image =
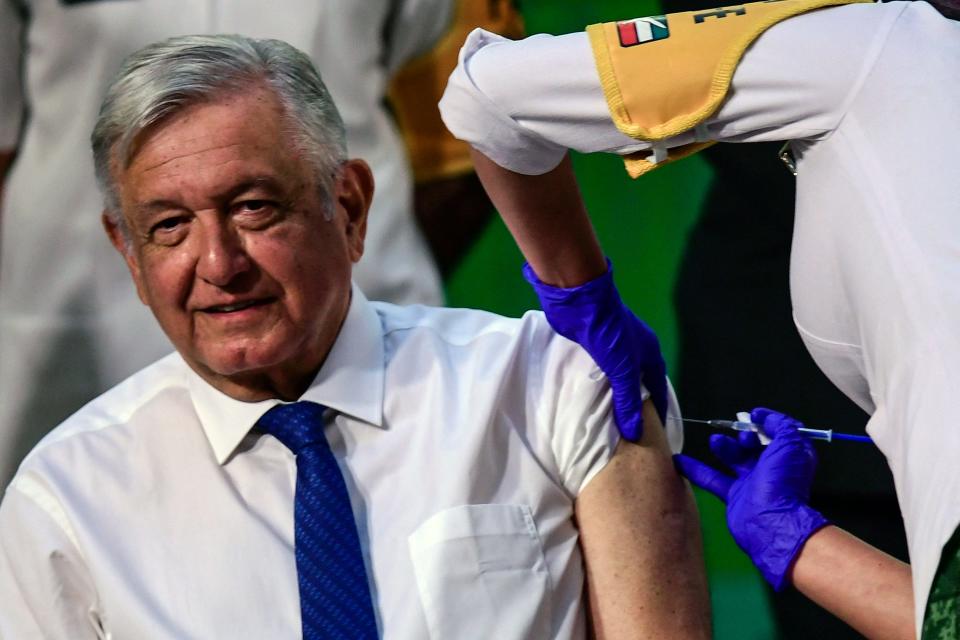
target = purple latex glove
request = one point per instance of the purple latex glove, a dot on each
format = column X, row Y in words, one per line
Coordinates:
column 622, row 345
column 767, row 510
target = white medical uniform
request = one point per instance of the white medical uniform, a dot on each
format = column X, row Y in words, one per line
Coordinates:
column 869, row 95
column 70, row 323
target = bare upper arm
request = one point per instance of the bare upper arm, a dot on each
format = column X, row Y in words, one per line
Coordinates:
column 640, row 536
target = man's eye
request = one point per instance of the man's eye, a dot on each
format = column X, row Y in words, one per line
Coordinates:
column 168, row 231
column 167, row 224
column 254, row 206
column 256, row 214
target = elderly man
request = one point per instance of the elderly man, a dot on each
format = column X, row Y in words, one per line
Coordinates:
column 310, row 462
column 72, row 328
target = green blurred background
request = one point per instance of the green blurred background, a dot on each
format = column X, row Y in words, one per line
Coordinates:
column 643, row 226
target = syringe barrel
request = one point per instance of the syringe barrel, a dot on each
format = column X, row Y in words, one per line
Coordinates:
column 737, row 425
column 814, row 434
column 817, row 434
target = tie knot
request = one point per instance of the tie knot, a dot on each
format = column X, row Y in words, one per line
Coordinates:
column 296, row 425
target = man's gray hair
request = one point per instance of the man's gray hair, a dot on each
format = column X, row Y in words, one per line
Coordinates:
column 164, row 78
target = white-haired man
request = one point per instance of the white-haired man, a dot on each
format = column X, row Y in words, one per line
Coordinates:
column 310, row 462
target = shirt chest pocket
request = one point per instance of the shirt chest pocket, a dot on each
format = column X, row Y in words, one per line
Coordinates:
column 481, row 573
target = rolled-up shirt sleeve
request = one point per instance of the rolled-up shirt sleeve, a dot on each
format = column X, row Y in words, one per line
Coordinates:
column 45, row 588
column 572, row 409
column 499, row 101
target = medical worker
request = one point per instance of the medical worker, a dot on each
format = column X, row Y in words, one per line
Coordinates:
column 868, row 98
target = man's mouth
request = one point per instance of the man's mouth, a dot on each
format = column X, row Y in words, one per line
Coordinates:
column 236, row 306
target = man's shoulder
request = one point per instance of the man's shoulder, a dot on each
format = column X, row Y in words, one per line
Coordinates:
column 472, row 337
column 113, row 410
column 455, row 325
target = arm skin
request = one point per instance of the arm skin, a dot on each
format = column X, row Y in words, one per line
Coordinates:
column 6, row 159
column 452, row 213
column 640, row 537
column 863, row 586
column 546, row 217
column 549, row 222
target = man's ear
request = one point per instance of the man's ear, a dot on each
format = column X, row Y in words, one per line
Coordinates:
column 354, row 194
column 121, row 243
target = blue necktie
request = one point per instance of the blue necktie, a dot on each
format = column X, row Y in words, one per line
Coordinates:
column 334, row 594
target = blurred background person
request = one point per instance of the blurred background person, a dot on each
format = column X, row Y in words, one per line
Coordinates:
column 59, row 346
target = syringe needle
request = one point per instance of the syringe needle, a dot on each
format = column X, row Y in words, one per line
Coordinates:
column 826, row 435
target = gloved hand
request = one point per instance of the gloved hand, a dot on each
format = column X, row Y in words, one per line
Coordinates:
column 622, row 345
column 767, row 510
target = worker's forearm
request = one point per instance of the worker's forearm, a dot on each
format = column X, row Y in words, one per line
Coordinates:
column 863, row 586
column 548, row 220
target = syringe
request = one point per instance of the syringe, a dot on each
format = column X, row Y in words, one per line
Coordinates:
column 826, row 435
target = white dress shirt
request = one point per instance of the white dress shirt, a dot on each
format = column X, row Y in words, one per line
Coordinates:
column 71, row 325
column 157, row 511
column 868, row 94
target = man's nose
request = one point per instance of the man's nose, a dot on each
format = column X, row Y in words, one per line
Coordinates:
column 223, row 256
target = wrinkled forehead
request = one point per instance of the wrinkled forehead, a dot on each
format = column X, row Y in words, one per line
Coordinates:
column 210, row 147
column 188, row 107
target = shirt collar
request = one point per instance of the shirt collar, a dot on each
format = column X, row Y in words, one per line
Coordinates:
column 350, row 382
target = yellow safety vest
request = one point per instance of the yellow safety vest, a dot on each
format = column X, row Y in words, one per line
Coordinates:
column 664, row 75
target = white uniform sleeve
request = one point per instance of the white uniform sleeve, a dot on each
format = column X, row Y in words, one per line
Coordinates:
column 45, row 588
column 500, row 101
column 521, row 103
column 11, row 92
column 414, row 28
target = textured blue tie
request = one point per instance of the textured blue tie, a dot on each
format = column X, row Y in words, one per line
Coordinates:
column 334, row 594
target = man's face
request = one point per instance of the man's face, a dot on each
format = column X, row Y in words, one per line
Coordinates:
column 229, row 245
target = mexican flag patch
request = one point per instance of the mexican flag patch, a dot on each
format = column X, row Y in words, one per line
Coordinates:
column 634, row 32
